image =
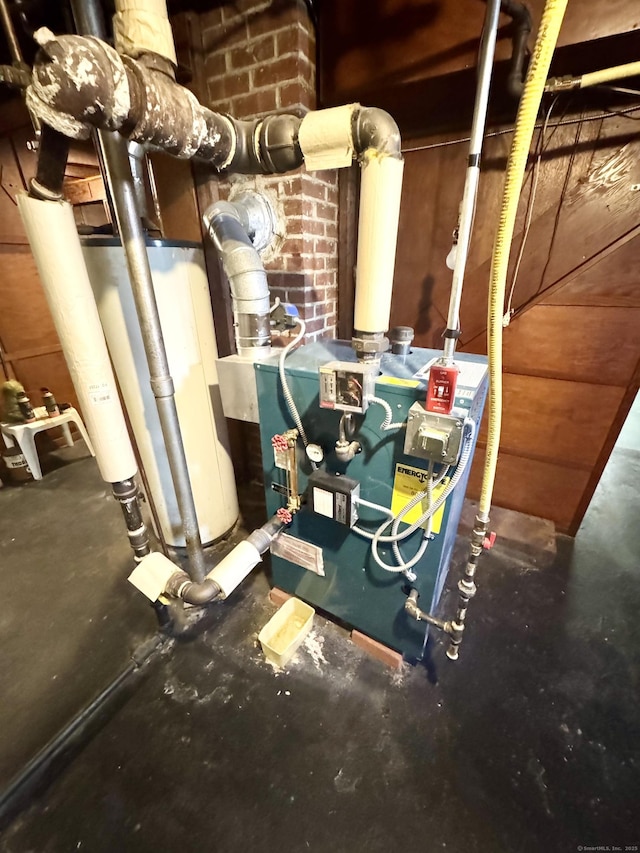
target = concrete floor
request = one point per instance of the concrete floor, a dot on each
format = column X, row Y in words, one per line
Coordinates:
column 530, row 742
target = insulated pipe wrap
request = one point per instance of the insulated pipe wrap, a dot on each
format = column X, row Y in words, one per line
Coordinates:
column 380, row 193
column 142, row 26
column 54, row 241
column 78, row 82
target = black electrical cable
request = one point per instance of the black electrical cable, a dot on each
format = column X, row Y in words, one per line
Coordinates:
column 610, row 113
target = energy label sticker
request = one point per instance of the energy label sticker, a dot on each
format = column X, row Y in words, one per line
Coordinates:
column 407, row 483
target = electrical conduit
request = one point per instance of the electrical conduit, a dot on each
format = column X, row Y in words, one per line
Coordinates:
column 523, row 133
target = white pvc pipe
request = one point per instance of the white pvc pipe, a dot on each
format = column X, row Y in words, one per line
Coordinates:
column 51, row 231
column 380, row 192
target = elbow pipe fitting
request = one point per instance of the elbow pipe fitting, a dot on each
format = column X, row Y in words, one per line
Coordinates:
column 374, row 128
column 262, row 537
column 266, row 146
column 411, row 607
column 181, row 586
column 521, row 17
column 247, row 279
column 80, row 82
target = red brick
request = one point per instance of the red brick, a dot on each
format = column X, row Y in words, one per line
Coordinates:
column 314, row 228
column 254, row 104
column 295, row 39
column 325, row 247
column 224, row 36
column 253, row 53
column 326, row 211
column 314, row 189
column 210, row 19
column 331, row 229
column 278, row 596
column 278, row 71
column 276, row 17
column 298, row 207
column 215, row 65
column 315, row 325
column 312, row 262
column 325, row 279
column 292, row 246
column 298, row 94
column 235, row 83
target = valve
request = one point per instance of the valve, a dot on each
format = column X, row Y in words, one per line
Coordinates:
column 489, row 541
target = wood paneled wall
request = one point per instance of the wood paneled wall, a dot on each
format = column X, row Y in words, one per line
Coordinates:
column 572, row 349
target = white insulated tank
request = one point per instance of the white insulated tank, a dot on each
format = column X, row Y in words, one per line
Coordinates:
column 182, row 293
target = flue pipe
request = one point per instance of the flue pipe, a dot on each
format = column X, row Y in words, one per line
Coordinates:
column 229, row 225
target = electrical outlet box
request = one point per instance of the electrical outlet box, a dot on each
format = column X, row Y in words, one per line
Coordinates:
column 432, row 436
column 334, row 496
column 346, row 386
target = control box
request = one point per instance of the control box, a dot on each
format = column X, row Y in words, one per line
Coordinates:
column 346, row 386
column 441, row 389
column 334, row 496
column 432, row 436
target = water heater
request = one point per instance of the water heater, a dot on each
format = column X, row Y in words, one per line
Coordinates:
column 182, row 294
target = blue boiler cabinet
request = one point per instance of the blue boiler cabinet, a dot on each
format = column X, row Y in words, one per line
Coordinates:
column 324, row 562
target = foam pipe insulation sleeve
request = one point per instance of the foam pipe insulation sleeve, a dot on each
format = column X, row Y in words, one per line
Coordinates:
column 51, row 231
column 380, row 192
column 234, row 568
column 142, row 26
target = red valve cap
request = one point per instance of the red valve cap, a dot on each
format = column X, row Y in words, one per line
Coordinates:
column 489, row 541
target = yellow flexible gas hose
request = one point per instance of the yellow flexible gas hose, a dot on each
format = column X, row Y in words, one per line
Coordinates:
column 523, row 133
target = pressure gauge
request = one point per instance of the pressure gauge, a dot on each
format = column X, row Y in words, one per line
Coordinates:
column 315, row 453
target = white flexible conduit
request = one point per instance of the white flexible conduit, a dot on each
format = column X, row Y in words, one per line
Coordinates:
column 286, row 391
column 386, row 423
column 432, row 507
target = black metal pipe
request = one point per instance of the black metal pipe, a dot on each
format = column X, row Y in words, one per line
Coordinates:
column 127, row 494
column 10, row 33
column 521, row 17
column 52, row 163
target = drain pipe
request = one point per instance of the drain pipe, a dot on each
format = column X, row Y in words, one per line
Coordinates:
column 156, row 576
column 470, row 193
column 133, row 240
column 521, row 17
column 52, row 234
column 231, row 226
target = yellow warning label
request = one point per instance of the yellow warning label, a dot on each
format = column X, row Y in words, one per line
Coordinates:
column 394, row 380
column 407, row 483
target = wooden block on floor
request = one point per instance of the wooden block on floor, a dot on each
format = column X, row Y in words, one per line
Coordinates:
column 377, row 650
column 278, row 596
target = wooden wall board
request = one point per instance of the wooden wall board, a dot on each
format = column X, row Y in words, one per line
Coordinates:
column 407, row 39
column 547, row 489
column 25, row 319
column 556, row 420
column 601, row 286
column 575, row 343
column 48, row 370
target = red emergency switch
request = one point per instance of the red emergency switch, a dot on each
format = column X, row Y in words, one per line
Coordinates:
column 441, row 392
